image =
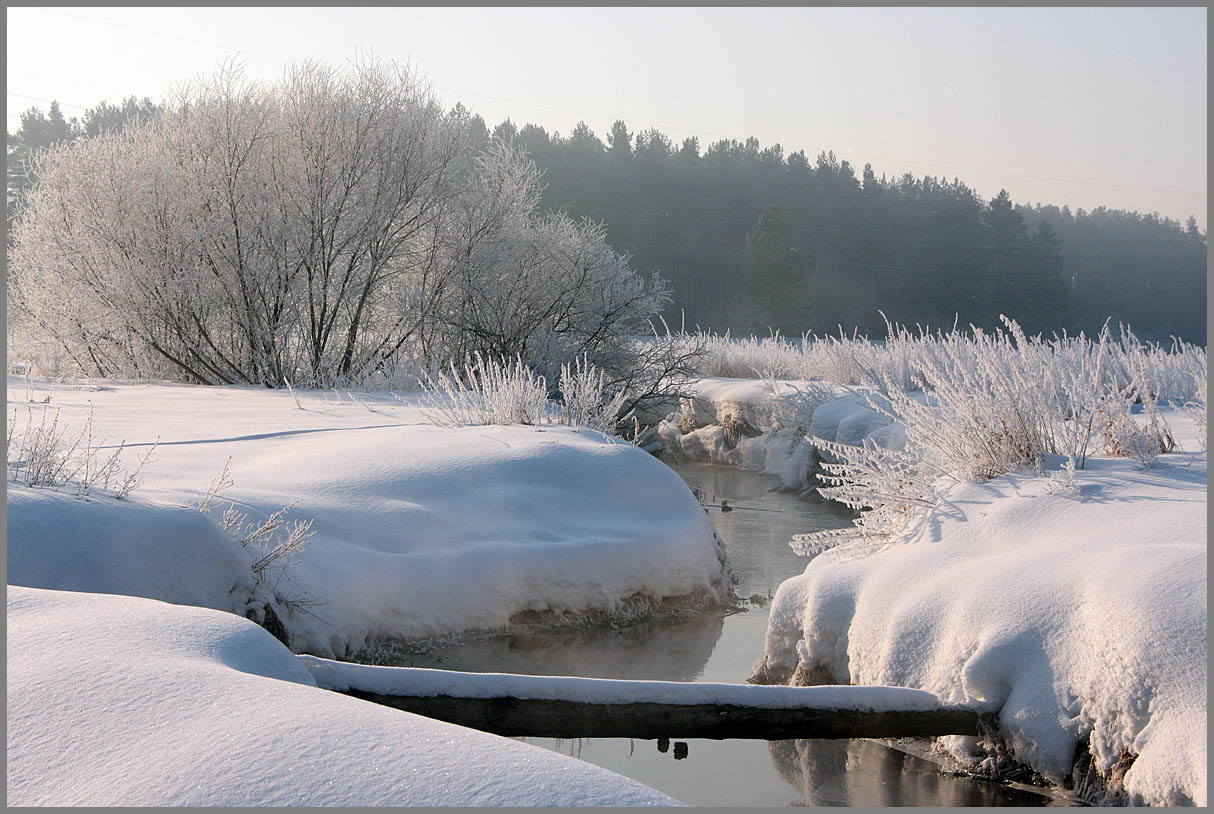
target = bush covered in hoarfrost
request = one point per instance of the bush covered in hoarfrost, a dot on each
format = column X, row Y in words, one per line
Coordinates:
column 49, row 455
column 1001, row 402
column 899, row 360
column 492, row 391
column 842, row 360
column 337, row 227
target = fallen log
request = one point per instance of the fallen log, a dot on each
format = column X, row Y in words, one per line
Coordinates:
column 543, row 718
column 570, row 707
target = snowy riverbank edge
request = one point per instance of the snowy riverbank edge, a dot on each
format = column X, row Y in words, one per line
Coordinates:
column 1080, row 616
column 419, row 530
column 116, row 700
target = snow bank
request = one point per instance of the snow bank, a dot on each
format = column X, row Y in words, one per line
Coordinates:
column 438, row 530
column 1077, row 616
column 124, row 701
column 420, row 530
column 416, row 681
column 132, row 547
column 776, row 444
column 747, row 400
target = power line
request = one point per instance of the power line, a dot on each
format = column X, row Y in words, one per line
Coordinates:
column 48, row 101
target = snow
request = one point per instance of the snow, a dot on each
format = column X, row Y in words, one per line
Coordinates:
column 859, row 422
column 127, row 701
column 748, row 400
column 780, row 449
column 420, row 530
column 420, row 682
column 1073, row 615
column 132, row 547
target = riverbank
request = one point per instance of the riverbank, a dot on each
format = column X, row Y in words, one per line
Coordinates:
column 763, row 425
column 407, row 530
column 116, row 700
column 412, row 530
column 1075, row 607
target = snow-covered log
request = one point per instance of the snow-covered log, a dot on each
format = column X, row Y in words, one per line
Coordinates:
column 568, row 707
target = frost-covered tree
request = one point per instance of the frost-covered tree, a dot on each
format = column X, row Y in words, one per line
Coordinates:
column 543, row 288
column 324, row 229
column 38, row 131
column 248, row 233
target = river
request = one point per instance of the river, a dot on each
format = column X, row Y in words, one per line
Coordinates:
column 721, row 646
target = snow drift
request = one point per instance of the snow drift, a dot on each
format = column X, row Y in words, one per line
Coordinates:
column 742, row 422
column 420, row 530
column 1080, row 616
column 125, row 701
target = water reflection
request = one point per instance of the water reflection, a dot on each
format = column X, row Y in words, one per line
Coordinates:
column 674, row 648
column 788, row 773
column 871, row 774
column 717, row 646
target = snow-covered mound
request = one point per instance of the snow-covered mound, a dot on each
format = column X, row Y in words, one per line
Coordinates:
column 1077, row 615
column 769, row 431
column 420, row 530
column 131, row 702
column 749, row 400
column 102, row 545
column 430, row 530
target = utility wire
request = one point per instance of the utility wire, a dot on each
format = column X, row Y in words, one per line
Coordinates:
column 48, row 101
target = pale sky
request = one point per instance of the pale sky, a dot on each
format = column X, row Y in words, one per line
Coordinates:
column 1079, row 106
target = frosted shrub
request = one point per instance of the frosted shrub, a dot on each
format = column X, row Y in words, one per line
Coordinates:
column 983, row 413
column 898, row 361
column 586, row 402
column 488, row 391
column 1000, row 402
column 835, row 359
column 795, row 404
column 843, row 360
column 1126, row 438
column 740, row 358
column 43, row 453
column 653, row 372
column 48, row 455
column 188, row 246
column 272, row 546
column 887, row 486
column 1170, row 375
column 1063, row 482
column 1197, row 408
column 512, row 282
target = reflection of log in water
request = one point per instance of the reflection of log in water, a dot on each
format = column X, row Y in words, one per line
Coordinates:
column 549, row 718
column 674, row 648
column 868, row 773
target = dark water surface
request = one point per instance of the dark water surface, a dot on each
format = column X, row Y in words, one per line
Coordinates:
column 722, row 646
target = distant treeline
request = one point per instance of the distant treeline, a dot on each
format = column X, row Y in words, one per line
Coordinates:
column 753, row 239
